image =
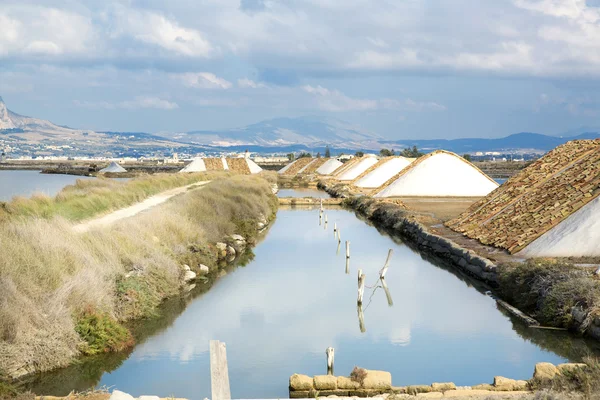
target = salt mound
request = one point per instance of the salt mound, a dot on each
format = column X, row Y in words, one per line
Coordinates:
column 253, row 167
column 440, row 174
column 113, row 167
column 357, row 169
column 385, row 172
column 197, row 165
column 329, row 167
column 578, row 234
column 282, row 170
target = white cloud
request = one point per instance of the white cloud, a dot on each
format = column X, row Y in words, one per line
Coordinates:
column 248, row 83
column 203, row 80
column 138, row 103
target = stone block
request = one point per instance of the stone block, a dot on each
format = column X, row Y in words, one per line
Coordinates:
column 346, row 383
column 325, row 382
column 300, row 394
column 365, row 392
column 442, row 387
column 544, row 371
column 415, row 389
column 399, row 389
column 483, row 386
column 301, row 382
column 378, row 380
column 569, row 367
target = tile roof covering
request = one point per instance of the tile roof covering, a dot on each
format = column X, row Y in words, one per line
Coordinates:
column 537, row 199
column 313, row 166
column 296, row 166
column 214, row 164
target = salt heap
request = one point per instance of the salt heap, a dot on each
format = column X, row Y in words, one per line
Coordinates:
column 243, row 165
column 285, row 168
column 383, row 173
column 365, row 162
column 549, row 209
column 113, row 168
column 329, row 167
column 440, row 174
column 197, row 165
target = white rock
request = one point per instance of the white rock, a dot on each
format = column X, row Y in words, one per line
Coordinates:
column 221, row 246
column 186, row 267
column 204, row 269
column 189, row 276
column 148, row 398
column 238, row 238
column 230, row 251
column 118, row 395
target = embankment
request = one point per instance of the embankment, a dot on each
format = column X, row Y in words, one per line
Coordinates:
column 64, row 294
column 555, row 293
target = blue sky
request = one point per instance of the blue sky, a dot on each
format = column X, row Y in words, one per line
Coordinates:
column 401, row 69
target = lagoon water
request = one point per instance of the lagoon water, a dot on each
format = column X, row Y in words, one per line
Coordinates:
column 302, row 192
column 280, row 312
column 26, row 183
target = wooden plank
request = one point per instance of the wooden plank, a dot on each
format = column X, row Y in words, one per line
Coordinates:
column 219, row 374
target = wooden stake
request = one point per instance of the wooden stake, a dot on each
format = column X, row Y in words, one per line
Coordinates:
column 334, row 228
column 337, row 252
column 388, row 295
column 347, row 264
column 339, row 236
column 219, row 375
column 347, row 249
column 361, row 288
column 386, row 265
column 330, row 351
column 325, row 218
column 321, row 205
column 361, row 318
column 359, row 274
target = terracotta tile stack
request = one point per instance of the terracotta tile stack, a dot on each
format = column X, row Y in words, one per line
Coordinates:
column 537, row 199
column 239, row 165
column 213, row 164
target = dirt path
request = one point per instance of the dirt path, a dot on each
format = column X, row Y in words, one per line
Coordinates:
column 134, row 209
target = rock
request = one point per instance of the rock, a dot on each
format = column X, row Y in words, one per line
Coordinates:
column 186, row 267
column 483, row 386
column 346, row 383
column 238, row 238
column 260, row 226
column 416, row 389
column 189, row 276
column 442, row 387
column 221, row 250
column 301, row 382
column 544, row 371
column 204, row 269
column 504, row 384
column 399, row 389
column 300, row 394
column 521, row 385
column 325, row 382
column 378, row 380
column 230, row 251
column 148, row 398
column 221, row 273
column 569, row 367
column 118, row 395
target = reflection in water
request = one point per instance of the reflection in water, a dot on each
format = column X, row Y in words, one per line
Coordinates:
column 302, row 192
column 279, row 313
column 26, row 183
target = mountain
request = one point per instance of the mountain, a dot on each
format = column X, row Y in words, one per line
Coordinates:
column 523, row 142
column 280, row 132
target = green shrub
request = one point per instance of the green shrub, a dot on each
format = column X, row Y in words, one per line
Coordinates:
column 102, row 333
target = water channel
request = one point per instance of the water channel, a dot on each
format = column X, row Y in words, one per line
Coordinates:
column 27, row 182
column 279, row 313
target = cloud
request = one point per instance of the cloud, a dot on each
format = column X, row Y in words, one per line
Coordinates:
column 248, row 83
column 580, row 106
column 336, row 101
column 203, row 80
column 252, row 5
column 139, row 102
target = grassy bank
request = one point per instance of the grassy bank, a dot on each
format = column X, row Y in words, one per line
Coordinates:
column 63, row 293
column 87, row 198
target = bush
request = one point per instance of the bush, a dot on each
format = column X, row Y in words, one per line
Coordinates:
column 585, row 381
column 102, row 333
column 358, row 375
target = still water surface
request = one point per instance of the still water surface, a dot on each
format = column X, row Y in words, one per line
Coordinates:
column 279, row 313
column 26, row 183
column 302, row 192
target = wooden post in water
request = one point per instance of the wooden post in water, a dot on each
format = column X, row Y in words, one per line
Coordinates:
column 347, row 249
column 359, row 274
column 337, row 252
column 334, row 228
column 325, row 218
column 361, row 318
column 361, row 288
column 330, row 359
column 386, row 265
column 339, row 236
column 347, row 264
column 388, row 295
column 219, row 374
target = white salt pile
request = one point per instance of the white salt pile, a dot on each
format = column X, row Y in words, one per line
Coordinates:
column 382, row 174
column 580, row 231
column 329, row 167
column 225, row 166
column 309, row 164
column 113, row 167
column 197, row 165
column 282, row 170
column 254, row 167
column 440, row 174
column 368, row 160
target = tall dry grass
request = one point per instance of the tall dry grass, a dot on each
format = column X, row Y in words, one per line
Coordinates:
column 87, row 198
column 51, row 277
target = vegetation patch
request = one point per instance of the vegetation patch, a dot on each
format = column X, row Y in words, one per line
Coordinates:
column 102, row 333
column 550, row 290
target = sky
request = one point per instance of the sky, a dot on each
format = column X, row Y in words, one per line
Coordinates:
column 402, row 69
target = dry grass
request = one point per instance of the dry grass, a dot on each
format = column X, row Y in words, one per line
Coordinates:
column 50, row 276
column 87, row 198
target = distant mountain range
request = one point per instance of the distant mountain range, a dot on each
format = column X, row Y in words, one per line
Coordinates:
column 519, row 142
column 31, row 136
